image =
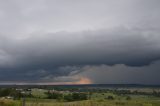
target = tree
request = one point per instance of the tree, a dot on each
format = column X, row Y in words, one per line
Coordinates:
column 68, row 97
column 128, row 98
column 110, row 98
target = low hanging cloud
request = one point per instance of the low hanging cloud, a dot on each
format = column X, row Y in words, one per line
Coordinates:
column 45, row 55
column 113, row 46
column 50, row 40
column 116, row 74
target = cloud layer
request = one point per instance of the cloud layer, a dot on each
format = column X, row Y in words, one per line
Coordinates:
column 41, row 56
column 48, row 40
column 117, row 74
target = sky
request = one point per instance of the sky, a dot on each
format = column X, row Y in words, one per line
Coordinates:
column 80, row 42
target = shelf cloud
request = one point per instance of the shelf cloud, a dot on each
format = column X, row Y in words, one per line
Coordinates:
column 45, row 41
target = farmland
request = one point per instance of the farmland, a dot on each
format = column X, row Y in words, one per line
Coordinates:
column 83, row 96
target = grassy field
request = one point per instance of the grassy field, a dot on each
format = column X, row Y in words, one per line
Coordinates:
column 6, row 102
column 84, row 103
column 97, row 99
column 39, row 93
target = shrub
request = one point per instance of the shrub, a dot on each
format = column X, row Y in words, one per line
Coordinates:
column 128, row 98
column 110, row 98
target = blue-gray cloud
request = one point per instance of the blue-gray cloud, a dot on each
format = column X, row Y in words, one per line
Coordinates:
column 26, row 58
column 116, row 74
column 39, row 38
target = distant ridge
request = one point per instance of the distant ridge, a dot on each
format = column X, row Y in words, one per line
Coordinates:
column 86, row 85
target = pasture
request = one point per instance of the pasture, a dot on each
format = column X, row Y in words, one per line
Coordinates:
column 97, row 99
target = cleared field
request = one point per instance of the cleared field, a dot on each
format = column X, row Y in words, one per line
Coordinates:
column 98, row 99
column 6, row 102
column 94, row 98
column 97, row 103
column 39, row 93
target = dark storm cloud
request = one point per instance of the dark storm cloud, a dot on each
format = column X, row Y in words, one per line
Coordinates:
column 45, row 39
column 114, row 46
column 116, row 74
column 133, row 47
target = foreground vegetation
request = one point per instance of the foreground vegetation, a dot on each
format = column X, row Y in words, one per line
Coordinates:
column 79, row 97
column 92, row 102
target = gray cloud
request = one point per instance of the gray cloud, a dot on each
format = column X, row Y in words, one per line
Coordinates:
column 42, row 40
column 116, row 74
column 132, row 47
column 115, row 46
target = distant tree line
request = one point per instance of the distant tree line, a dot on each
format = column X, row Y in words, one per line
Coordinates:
column 4, row 92
column 73, row 95
column 68, row 97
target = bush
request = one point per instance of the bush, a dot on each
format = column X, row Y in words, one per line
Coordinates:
column 79, row 96
column 128, row 98
column 75, row 97
column 55, row 96
column 110, row 98
column 68, row 97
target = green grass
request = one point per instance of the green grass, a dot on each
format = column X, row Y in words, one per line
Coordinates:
column 97, row 103
column 92, row 102
column 97, row 99
column 7, row 102
column 39, row 93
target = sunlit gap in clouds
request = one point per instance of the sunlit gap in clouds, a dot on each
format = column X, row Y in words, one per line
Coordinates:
column 81, row 81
